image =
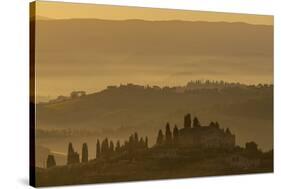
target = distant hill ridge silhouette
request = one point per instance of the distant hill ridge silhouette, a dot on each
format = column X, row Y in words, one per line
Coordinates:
column 156, row 37
column 197, row 86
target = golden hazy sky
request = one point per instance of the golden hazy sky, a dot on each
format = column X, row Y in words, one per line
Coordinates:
column 59, row 10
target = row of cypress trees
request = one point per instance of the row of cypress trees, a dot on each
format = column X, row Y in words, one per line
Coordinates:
column 107, row 148
column 103, row 149
column 73, row 157
column 169, row 137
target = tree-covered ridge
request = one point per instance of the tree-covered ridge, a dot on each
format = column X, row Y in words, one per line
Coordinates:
column 178, row 152
column 120, row 110
column 191, row 86
column 192, row 130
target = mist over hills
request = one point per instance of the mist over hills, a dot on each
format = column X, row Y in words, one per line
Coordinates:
column 91, row 54
column 155, row 37
column 117, row 111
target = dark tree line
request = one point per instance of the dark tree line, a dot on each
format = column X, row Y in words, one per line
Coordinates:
column 107, row 148
column 85, row 153
column 169, row 138
column 72, row 156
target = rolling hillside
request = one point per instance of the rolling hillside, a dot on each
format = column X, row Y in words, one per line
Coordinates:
column 128, row 108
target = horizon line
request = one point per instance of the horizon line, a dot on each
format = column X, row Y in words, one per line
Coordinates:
column 44, row 18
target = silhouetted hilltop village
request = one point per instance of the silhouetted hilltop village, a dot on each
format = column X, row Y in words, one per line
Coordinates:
column 121, row 110
column 211, row 136
column 192, row 136
column 190, row 151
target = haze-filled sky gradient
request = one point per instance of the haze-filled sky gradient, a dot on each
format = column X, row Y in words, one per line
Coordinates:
column 58, row 10
column 112, row 45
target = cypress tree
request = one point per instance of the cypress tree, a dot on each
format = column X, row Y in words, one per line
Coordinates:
column 111, row 147
column 168, row 134
column 228, row 131
column 76, row 158
column 136, row 138
column 217, row 124
column 117, row 148
column 51, row 162
column 102, row 148
column 84, row 153
column 126, row 145
column 176, row 134
column 106, row 146
column 70, row 154
column 146, row 142
column 160, row 137
column 131, row 143
column 196, row 122
column 98, row 150
column 187, row 121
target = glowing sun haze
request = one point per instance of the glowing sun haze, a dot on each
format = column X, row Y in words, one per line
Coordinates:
column 58, row 10
column 87, row 47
